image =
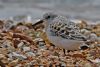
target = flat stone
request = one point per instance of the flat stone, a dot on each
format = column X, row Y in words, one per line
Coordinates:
column 20, row 56
column 30, row 54
column 26, row 49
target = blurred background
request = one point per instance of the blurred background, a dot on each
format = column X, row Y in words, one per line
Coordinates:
column 79, row 9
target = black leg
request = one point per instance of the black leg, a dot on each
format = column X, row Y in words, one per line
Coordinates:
column 64, row 51
column 52, row 45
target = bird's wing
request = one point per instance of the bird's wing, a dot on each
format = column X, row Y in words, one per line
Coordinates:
column 64, row 28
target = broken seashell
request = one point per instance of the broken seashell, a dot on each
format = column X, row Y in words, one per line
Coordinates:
column 19, row 56
column 23, row 37
column 78, row 55
column 97, row 60
column 21, row 28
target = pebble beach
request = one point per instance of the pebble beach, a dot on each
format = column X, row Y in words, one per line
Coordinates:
column 23, row 44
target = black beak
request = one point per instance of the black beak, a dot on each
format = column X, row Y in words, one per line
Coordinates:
column 39, row 22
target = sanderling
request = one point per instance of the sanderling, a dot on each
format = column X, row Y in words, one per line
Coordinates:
column 62, row 32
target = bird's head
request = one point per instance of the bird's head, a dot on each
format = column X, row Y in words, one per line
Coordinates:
column 49, row 16
column 46, row 19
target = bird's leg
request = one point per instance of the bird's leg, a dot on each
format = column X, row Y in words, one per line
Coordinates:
column 52, row 44
column 64, row 51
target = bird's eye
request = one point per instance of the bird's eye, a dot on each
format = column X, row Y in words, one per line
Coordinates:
column 47, row 17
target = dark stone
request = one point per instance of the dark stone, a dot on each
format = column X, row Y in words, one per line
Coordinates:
column 84, row 47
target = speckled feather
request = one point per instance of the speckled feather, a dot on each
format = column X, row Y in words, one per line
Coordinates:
column 62, row 32
column 64, row 28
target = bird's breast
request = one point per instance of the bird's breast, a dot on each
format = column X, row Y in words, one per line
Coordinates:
column 64, row 43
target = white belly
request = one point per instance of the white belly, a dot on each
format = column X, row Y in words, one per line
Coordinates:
column 65, row 43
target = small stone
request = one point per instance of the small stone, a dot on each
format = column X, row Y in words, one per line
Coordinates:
column 84, row 47
column 78, row 55
column 41, row 43
column 26, row 49
column 85, row 32
column 41, row 66
column 20, row 45
column 87, row 65
column 92, row 46
column 96, row 29
column 38, row 39
column 5, row 60
column 21, row 28
column 2, row 64
column 19, row 56
column 46, row 53
column 1, row 24
column 13, row 63
column 96, row 60
column 63, row 64
column 93, row 53
column 3, row 51
column 10, row 56
column 98, row 45
column 2, row 56
column 23, row 37
column 8, row 24
column 18, row 65
column 16, row 42
column 93, row 37
column 6, row 44
column 30, row 54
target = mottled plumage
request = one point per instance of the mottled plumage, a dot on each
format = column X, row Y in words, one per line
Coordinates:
column 63, row 32
column 65, row 29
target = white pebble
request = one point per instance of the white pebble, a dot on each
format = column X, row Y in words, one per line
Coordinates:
column 26, row 48
column 96, row 60
column 30, row 54
column 20, row 44
column 93, row 37
column 85, row 32
column 20, row 56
